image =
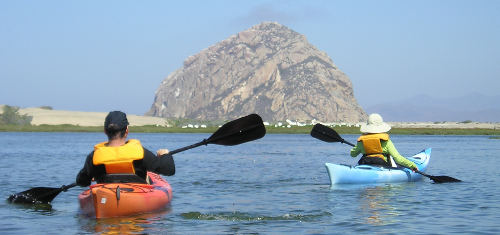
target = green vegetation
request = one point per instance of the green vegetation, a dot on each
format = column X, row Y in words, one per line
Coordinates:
column 444, row 131
column 184, row 122
column 270, row 129
column 11, row 116
column 394, row 131
column 12, row 121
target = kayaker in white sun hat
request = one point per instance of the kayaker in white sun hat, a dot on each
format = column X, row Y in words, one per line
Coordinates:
column 376, row 146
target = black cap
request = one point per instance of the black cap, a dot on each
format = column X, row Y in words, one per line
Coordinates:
column 116, row 120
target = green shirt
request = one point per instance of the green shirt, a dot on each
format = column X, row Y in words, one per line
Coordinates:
column 387, row 148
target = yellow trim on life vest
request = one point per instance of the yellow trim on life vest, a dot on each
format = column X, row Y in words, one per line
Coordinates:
column 372, row 145
column 118, row 160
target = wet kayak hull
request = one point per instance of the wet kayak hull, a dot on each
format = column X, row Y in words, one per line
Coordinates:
column 366, row 174
column 124, row 199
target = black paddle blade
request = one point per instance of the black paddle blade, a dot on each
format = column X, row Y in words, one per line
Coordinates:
column 239, row 131
column 440, row 179
column 38, row 195
column 443, row 179
column 35, row 195
column 325, row 133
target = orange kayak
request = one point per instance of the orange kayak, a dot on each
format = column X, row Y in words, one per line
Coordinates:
column 123, row 199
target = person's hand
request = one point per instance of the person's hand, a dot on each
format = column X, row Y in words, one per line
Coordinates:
column 414, row 169
column 162, row 152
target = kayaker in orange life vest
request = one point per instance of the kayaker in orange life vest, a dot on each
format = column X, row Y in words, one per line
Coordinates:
column 122, row 157
column 376, row 146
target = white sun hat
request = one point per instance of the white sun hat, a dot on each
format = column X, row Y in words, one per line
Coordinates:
column 375, row 124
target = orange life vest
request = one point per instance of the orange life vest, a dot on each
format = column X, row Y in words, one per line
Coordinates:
column 118, row 160
column 372, row 145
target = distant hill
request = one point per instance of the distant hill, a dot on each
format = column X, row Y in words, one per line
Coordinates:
column 268, row 69
column 423, row 108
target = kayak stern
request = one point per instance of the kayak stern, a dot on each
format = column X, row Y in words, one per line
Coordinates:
column 365, row 174
column 123, row 199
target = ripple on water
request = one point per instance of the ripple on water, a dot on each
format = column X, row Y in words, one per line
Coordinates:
column 242, row 216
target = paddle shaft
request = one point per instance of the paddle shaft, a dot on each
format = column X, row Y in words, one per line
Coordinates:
column 58, row 190
column 66, row 187
column 204, row 142
column 422, row 173
column 349, row 143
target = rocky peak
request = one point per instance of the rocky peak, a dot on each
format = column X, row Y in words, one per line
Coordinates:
column 268, row 69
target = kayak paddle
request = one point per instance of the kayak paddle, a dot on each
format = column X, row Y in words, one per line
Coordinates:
column 235, row 132
column 440, row 178
column 327, row 134
column 38, row 194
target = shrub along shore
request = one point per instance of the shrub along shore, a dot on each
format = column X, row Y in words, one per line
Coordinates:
column 270, row 130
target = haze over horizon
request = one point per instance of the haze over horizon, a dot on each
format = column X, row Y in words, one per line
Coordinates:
column 112, row 55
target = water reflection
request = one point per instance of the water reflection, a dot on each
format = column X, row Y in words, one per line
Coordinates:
column 376, row 204
column 37, row 208
column 138, row 224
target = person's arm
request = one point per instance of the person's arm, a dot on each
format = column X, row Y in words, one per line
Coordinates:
column 84, row 177
column 163, row 164
column 391, row 149
column 356, row 150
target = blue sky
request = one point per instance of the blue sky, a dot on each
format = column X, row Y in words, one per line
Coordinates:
column 112, row 55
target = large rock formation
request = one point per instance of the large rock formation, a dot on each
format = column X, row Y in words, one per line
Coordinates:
column 269, row 70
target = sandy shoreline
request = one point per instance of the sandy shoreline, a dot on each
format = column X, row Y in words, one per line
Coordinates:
column 59, row 117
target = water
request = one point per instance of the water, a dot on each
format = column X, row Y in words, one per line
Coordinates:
column 274, row 185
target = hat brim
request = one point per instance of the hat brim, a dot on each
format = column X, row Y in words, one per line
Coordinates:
column 373, row 129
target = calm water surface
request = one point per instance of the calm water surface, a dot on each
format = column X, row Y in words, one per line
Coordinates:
column 274, row 185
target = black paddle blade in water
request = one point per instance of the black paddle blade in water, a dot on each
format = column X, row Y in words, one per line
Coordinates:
column 444, row 179
column 440, row 179
column 239, row 131
column 35, row 195
column 38, row 195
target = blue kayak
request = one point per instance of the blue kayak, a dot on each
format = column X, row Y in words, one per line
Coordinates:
column 366, row 174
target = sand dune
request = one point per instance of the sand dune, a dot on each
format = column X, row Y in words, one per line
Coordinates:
column 59, row 117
